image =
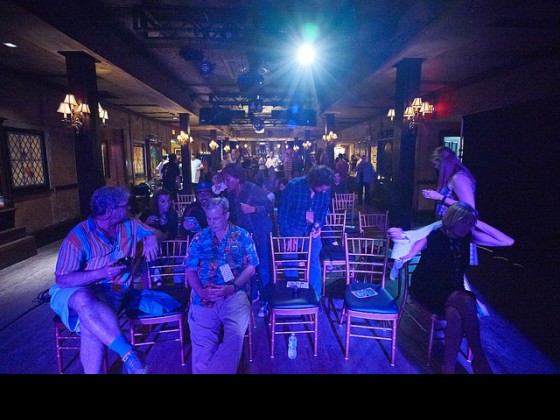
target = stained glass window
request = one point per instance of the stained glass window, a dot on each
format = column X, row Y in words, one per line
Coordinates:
column 26, row 151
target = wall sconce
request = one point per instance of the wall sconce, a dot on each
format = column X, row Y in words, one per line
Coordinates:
column 213, row 145
column 307, row 144
column 330, row 138
column 103, row 114
column 184, row 138
column 296, row 148
column 415, row 113
column 227, row 148
column 73, row 112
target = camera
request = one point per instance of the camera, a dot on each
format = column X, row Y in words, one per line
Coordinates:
column 124, row 261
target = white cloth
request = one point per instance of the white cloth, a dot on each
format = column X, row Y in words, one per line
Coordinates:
column 196, row 167
column 401, row 247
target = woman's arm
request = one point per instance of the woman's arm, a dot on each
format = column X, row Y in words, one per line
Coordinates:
column 484, row 234
column 463, row 188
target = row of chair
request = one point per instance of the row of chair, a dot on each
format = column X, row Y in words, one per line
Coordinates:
column 144, row 329
column 292, row 301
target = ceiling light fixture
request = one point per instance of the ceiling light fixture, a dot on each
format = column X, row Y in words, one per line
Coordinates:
column 331, row 137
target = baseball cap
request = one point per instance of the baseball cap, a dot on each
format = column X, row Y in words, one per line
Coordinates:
column 203, row 186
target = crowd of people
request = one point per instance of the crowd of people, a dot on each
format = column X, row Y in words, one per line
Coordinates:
column 228, row 263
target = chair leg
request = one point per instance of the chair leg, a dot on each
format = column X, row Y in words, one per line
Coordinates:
column 272, row 333
column 316, row 335
column 431, row 340
column 393, row 342
column 347, row 347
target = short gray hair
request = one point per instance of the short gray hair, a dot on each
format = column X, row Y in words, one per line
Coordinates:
column 108, row 197
column 220, row 202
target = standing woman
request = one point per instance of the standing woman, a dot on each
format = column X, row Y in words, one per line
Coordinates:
column 250, row 209
column 455, row 181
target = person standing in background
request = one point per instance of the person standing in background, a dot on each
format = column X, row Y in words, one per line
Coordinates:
column 306, row 201
column 455, row 181
column 171, row 176
column 365, row 178
column 251, row 209
column 196, row 168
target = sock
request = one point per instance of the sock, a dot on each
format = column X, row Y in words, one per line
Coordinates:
column 120, row 345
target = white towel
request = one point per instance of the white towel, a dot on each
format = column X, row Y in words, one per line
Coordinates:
column 402, row 247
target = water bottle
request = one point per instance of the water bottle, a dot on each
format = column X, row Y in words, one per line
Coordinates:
column 292, row 346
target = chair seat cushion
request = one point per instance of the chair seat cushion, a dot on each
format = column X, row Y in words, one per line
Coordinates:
column 282, row 297
column 382, row 303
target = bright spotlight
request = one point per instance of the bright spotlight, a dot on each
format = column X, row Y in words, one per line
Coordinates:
column 306, row 54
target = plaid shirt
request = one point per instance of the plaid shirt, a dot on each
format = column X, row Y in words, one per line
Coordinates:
column 296, row 202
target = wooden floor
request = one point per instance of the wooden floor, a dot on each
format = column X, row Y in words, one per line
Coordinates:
column 27, row 338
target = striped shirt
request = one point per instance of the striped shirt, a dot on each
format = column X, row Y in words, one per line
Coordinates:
column 86, row 248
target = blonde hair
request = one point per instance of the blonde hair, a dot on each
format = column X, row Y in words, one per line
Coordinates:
column 449, row 166
column 459, row 212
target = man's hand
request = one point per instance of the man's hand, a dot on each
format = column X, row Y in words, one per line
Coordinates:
column 247, row 209
column 151, row 247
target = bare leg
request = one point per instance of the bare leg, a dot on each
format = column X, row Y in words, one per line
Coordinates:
column 99, row 327
column 453, row 338
column 464, row 304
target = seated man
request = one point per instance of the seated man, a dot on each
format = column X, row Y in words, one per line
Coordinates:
column 194, row 217
column 91, row 281
column 220, row 264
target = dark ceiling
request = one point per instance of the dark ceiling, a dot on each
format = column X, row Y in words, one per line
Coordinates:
column 163, row 58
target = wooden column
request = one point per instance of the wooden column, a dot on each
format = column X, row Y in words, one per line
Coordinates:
column 184, row 125
column 404, row 145
column 82, row 83
column 330, row 126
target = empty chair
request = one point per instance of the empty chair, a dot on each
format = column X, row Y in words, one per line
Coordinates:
column 367, row 304
column 146, row 329
column 344, row 201
column 182, row 201
column 373, row 225
column 292, row 300
column 332, row 255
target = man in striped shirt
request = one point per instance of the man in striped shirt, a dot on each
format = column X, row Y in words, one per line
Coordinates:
column 93, row 275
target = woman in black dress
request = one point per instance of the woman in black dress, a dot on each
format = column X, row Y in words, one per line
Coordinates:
column 438, row 280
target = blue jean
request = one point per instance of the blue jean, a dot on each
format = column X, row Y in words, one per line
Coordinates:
column 315, row 267
column 262, row 244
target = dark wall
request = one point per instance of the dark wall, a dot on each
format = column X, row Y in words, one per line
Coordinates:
column 514, row 154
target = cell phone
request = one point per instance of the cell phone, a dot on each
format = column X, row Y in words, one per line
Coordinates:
column 193, row 220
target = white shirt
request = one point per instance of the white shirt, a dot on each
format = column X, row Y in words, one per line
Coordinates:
column 196, row 167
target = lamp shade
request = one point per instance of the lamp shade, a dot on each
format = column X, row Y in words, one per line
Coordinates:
column 70, row 100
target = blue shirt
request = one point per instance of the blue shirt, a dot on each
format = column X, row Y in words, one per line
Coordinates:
column 296, row 202
column 207, row 255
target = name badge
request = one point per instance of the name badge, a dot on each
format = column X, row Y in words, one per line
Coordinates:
column 309, row 217
column 226, row 273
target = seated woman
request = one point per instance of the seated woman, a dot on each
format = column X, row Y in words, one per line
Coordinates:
column 162, row 216
column 438, row 280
